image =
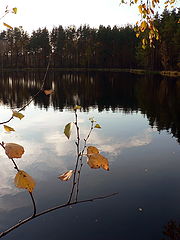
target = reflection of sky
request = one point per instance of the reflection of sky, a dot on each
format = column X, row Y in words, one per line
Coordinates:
column 138, row 155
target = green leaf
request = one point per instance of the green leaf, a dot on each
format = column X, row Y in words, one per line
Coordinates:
column 97, row 126
column 68, row 129
column 18, row 115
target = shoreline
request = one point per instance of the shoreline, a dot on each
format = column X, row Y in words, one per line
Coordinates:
column 167, row 73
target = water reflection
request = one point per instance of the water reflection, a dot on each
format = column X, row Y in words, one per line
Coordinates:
column 156, row 97
column 144, row 165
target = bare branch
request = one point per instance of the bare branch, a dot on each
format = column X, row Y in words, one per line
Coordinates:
column 4, row 233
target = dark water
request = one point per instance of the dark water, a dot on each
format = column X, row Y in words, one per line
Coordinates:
column 140, row 135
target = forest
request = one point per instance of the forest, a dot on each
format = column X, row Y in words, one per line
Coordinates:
column 86, row 47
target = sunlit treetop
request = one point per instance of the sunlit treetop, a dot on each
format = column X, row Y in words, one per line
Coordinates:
column 147, row 10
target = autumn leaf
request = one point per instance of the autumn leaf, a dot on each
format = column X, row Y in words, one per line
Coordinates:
column 8, row 129
column 95, row 159
column 68, row 129
column 8, row 26
column 92, row 119
column 18, row 115
column 143, row 26
column 14, row 150
column 66, row 176
column 48, row 92
column 24, row 180
column 97, row 126
column 14, row 10
column 77, row 107
column 91, row 150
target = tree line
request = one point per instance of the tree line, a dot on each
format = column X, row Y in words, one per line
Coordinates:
column 86, row 47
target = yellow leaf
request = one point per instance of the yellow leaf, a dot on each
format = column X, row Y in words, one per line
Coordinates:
column 92, row 119
column 91, row 150
column 48, row 92
column 68, row 129
column 66, row 176
column 137, row 35
column 143, row 26
column 14, row 150
column 96, row 160
column 24, row 180
column 144, row 41
column 14, row 10
column 8, row 129
column 8, row 26
column 140, row 9
column 77, row 107
column 97, row 126
column 135, row 1
column 18, row 115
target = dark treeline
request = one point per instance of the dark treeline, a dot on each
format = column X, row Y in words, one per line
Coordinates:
column 86, row 47
column 154, row 96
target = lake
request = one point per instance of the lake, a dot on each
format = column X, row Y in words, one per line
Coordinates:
column 140, row 135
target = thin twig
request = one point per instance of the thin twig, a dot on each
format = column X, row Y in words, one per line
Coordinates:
column 34, row 204
column 33, row 97
column 81, row 158
column 78, row 156
column 2, row 234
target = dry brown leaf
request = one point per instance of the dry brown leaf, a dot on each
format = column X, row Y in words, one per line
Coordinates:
column 95, row 159
column 48, row 92
column 92, row 150
column 24, row 180
column 66, row 176
column 14, row 150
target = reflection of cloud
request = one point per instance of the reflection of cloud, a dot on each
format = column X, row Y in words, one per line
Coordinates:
column 59, row 144
column 47, row 150
column 111, row 146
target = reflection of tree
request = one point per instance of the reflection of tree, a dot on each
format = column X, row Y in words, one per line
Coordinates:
column 171, row 231
column 159, row 99
column 156, row 97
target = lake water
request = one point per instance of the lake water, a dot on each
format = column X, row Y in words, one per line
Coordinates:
column 140, row 135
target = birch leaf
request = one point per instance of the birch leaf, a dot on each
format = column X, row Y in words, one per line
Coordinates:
column 18, row 115
column 91, row 150
column 95, row 159
column 14, row 10
column 97, row 126
column 8, row 26
column 66, row 176
column 77, row 107
column 24, row 180
column 48, row 92
column 68, row 129
column 8, row 129
column 14, row 150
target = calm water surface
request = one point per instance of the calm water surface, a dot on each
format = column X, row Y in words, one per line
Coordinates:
column 140, row 135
